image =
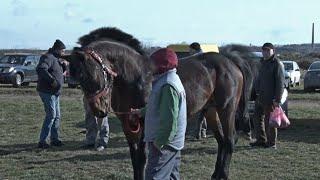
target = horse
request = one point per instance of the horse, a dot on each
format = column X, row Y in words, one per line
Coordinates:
column 114, row 73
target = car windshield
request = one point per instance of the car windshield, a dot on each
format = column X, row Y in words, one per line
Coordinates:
column 12, row 59
column 288, row 66
column 315, row 66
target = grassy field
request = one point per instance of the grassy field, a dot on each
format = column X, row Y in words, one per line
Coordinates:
column 21, row 116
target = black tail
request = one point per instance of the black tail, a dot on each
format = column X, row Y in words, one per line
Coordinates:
column 240, row 55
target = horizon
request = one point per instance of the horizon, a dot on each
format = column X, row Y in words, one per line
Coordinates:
column 241, row 22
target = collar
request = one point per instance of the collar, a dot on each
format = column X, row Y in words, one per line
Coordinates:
column 159, row 76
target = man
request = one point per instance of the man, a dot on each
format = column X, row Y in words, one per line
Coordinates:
column 93, row 126
column 201, row 128
column 165, row 118
column 50, row 80
column 195, row 48
column 269, row 88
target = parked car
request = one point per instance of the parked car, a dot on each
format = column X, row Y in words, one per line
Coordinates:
column 292, row 71
column 18, row 69
column 312, row 77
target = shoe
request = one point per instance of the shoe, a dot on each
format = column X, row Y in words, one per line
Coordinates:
column 203, row 135
column 258, row 144
column 57, row 143
column 88, row 146
column 100, row 148
column 43, row 145
column 273, row 146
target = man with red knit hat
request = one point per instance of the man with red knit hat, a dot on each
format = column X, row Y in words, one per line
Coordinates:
column 165, row 118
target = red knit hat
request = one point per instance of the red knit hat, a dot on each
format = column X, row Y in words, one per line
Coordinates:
column 164, row 60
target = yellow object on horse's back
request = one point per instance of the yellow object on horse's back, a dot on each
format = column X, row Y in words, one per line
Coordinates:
column 183, row 48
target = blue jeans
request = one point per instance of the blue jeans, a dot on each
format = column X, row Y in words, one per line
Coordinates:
column 163, row 164
column 52, row 120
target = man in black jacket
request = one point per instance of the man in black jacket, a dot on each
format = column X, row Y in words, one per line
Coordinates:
column 50, row 80
column 269, row 88
column 201, row 127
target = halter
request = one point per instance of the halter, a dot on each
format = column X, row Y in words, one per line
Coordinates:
column 106, row 70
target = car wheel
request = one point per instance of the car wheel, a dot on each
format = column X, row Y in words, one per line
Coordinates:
column 25, row 84
column 72, row 86
column 17, row 81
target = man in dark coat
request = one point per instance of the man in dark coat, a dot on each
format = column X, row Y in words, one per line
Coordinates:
column 50, row 80
column 201, row 127
column 269, row 88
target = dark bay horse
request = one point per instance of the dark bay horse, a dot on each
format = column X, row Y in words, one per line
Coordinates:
column 114, row 73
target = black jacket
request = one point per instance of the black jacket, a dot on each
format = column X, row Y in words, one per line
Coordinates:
column 50, row 69
column 270, row 82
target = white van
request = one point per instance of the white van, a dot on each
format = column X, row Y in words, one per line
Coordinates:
column 292, row 71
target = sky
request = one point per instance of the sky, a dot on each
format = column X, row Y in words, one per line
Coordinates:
column 37, row 23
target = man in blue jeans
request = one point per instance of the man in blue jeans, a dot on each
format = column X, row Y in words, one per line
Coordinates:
column 50, row 80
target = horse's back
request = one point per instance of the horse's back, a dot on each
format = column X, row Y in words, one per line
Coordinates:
column 205, row 74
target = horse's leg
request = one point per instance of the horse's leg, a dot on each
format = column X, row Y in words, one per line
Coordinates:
column 214, row 124
column 133, row 151
column 138, row 158
column 227, row 116
column 141, row 158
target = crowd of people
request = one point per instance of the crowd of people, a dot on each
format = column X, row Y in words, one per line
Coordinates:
column 166, row 112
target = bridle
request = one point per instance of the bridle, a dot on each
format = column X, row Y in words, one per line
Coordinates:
column 105, row 91
column 106, row 70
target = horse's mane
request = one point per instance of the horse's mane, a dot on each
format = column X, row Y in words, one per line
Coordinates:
column 114, row 34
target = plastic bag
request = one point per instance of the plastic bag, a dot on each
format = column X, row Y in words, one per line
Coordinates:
column 278, row 118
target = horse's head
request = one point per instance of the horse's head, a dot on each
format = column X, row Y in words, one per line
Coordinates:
column 95, row 77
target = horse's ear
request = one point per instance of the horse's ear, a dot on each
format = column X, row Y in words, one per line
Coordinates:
column 67, row 57
column 76, row 55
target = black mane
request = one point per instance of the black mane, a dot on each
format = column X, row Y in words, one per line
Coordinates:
column 111, row 33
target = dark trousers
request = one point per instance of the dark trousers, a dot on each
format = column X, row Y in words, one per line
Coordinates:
column 201, row 128
column 163, row 164
column 264, row 133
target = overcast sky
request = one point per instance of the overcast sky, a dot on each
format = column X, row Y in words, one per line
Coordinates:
column 37, row 23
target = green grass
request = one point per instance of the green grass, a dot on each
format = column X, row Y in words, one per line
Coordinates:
column 21, row 116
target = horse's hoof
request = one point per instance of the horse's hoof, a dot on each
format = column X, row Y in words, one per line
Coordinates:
column 214, row 176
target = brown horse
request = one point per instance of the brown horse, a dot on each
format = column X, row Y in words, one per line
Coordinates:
column 114, row 72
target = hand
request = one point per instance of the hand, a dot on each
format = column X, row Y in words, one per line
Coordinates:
column 54, row 84
column 136, row 111
column 156, row 146
column 275, row 105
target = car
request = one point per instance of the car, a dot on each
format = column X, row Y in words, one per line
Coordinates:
column 292, row 71
column 312, row 77
column 19, row 69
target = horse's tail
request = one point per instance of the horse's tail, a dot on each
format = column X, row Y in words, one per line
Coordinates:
column 239, row 56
